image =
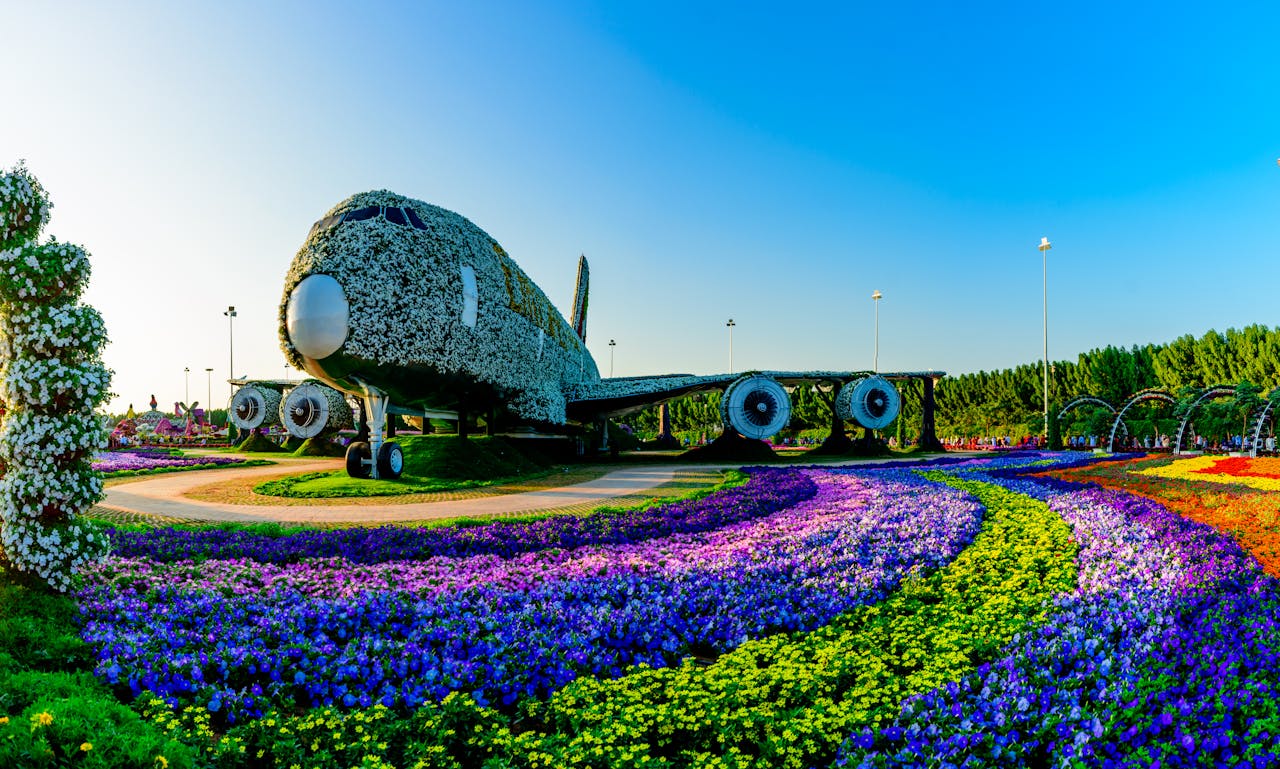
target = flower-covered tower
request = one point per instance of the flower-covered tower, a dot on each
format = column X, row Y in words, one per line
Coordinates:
column 51, row 380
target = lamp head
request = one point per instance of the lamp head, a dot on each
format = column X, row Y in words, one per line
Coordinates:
column 1045, row 245
column 876, row 295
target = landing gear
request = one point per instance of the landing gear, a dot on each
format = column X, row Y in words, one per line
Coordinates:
column 390, row 460
column 358, row 464
column 377, row 458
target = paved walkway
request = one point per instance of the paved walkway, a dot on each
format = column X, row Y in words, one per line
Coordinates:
column 164, row 496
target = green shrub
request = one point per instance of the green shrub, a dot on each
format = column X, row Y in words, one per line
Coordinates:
column 86, row 731
column 39, row 630
column 319, row 446
column 257, row 442
column 20, row 690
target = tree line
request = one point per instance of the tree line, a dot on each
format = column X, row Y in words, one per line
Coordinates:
column 1010, row 401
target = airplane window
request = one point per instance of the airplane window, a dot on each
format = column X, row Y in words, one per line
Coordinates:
column 361, row 214
column 414, row 219
column 396, row 216
column 326, row 223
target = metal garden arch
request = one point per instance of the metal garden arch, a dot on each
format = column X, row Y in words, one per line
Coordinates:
column 1138, row 397
column 1263, row 415
column 1217, row 391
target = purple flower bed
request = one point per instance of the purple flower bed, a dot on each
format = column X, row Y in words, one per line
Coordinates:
column 766, row 491
column 140, row 459
column 1167, row 655
column 238, row 636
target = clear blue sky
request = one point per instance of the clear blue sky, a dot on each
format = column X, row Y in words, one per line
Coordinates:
column 711, row 160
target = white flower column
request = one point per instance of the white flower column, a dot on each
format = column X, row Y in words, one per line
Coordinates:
column 51, row 380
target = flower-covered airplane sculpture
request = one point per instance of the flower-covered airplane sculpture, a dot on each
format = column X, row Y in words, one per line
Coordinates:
column 392, row 299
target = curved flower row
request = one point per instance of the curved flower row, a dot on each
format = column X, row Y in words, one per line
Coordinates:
column 787, row 700
column 414, row 632
column 767, row 491
column 1165, row 655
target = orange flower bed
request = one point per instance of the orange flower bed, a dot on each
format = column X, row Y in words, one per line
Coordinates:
column 1250, row 515
column 1253, row 467
column 1215, row 470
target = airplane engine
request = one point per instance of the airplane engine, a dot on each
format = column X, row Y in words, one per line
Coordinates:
column 872, row 402
column 255, row 405
column 756, row 406
column 312, row 409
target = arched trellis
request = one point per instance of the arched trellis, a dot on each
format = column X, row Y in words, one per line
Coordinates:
column 1263, row 414
column 1138, row 397
column 1081, row 400
column 1217, row 391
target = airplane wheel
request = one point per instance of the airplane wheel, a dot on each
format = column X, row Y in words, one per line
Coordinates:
column 390, row 460
column 357, row 456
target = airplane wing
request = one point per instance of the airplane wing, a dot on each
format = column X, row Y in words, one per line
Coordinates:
column 624, row 395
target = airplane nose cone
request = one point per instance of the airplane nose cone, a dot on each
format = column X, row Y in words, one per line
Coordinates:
column 317, row 316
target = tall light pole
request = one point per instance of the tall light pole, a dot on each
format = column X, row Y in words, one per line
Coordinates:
column 186, row 370
column 208, row 407
column 612, row 344
column 876, row 296
column 286, row 373
column 1045, row 245
column 731, row 324
column 231, row 346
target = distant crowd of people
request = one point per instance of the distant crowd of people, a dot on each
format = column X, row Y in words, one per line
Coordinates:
column 1149, row 442
column 990, row 443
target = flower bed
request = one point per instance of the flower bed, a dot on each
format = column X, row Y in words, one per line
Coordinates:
column 532, row 623
column 1251, row 516
column 1259, row 473
column 1159, row 657
column 966, row 614
column 115, row 464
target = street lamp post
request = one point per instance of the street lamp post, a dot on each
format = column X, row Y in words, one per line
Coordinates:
column 1045, row 245
column 231, row 345
column 612, row 344
column 208, row 407
column 286, row 373
column 731, row 324
column 877, row 296
column 186, row 370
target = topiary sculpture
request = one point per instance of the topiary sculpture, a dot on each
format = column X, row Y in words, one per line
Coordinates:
column 51, row 380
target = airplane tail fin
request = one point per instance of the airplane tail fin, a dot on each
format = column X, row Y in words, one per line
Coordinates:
column 580, row 300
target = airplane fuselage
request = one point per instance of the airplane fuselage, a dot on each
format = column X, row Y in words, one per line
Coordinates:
column 420, row 303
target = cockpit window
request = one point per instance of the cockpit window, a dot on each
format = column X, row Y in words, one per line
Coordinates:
column 404, row 217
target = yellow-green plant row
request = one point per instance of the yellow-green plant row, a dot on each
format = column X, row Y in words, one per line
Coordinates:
column 784, row 701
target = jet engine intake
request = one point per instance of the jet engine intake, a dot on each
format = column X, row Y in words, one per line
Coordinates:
column 312, row 409
column 255, row 405
column 872, row 402
column 756, row 407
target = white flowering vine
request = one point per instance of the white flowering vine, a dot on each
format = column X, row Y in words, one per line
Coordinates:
column 51, row 380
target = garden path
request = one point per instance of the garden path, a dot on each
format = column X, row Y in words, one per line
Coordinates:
column 164, row 496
